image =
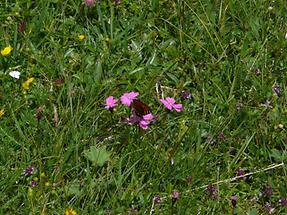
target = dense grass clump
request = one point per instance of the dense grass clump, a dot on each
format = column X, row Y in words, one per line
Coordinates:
column 143, row 107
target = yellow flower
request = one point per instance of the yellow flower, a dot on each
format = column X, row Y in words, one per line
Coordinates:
column 47, row 184
column 6, row 51
column 70, row 211
column 1, row 112
column 26, row 84
column 81, row 37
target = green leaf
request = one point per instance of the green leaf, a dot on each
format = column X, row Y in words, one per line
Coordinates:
column 98, row 156
column 172, row 77
column 99, row 72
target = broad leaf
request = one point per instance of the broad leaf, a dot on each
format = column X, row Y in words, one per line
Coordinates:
column 98, row 156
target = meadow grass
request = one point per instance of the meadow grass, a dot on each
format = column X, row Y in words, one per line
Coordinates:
column 61, row 149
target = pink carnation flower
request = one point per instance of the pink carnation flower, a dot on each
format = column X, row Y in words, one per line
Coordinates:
column 110, row 103
column 127, row 98
column 142, row 122
column 146, row 119
column 170, row 104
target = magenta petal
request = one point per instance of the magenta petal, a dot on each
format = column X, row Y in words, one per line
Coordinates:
column 143, row 124
column 127, row 98
column 166, row 104
column 148, row 117
column 171, row 101
column 110, row 102
column 177, row 107
column 108, row 99
column 133, row 95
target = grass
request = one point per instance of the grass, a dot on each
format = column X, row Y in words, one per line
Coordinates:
column 230, row 55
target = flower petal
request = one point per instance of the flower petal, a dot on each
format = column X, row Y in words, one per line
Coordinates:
column 133, row 95
column 177, row 107
column 148, row 117
column 127, row 98
column 110, row 102
column 166, row 104
column 143, row 124
column 171, row 101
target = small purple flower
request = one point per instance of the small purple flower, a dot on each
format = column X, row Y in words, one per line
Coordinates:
column 283, row 201
column 185, row 95
column 221, row 136
column 157, row 199
column 268, row 208
column 267, row 191
column 33, row 183
column 29, row 170
column 127, row 98
column 233, row 200
column 240, row 172
column 170, row 104
column 175, row 196
column 110, row 103
column 89, row 3
column 242, row 175
column 211, row 191
column 276, row 89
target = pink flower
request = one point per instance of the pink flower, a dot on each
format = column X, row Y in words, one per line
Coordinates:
column 148, row 117
column 127, row 98
column 142, row 122
column 110, row 103
column 175, row 196
column 89, row 3
column 170, row 104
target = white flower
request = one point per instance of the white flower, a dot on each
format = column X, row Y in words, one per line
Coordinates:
column 15, row 74
column 286, row 36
